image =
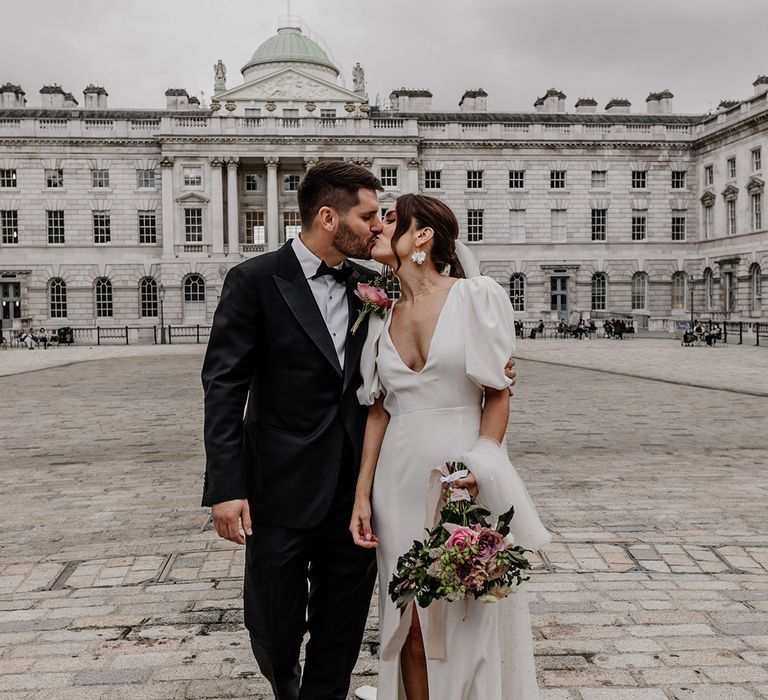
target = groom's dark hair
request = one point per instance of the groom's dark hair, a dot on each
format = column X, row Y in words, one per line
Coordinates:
column 334, row 184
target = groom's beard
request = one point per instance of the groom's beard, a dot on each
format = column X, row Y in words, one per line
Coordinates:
column 347, row 243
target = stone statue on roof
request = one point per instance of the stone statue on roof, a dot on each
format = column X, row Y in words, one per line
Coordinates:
column 358, row 79
column 219, row 77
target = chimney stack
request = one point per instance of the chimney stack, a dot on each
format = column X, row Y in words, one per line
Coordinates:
column 586, row 105
column 405, row 100
column 618, row 106
column 474, row 101
column 95, row 97
column 12, row 96
column 176, row 98
column 52, row 97
column 761, row 84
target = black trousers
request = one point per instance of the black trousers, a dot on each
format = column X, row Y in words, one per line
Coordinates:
column 316, row 581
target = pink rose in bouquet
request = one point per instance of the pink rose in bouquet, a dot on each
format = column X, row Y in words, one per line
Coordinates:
column 489, row 542
column 460, row 536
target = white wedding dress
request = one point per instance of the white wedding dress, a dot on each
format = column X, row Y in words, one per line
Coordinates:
column 434, row 418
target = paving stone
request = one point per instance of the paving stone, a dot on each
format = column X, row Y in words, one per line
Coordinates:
column 619, row 485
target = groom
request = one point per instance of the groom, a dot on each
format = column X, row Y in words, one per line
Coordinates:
column 284, row 433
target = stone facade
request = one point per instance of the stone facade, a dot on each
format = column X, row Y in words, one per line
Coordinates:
column 597, row 211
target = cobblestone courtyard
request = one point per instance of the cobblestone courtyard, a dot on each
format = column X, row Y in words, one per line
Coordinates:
column 113, row 584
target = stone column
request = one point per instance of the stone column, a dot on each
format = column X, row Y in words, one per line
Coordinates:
column 273, row 214
column 233, row 210
column 413, row 175
column 166, row 165
column 217, row 207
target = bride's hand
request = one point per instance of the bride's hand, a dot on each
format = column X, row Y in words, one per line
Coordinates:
column 468, row 482
column 360, row 527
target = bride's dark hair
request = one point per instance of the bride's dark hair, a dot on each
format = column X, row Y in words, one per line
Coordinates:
column 428, row 211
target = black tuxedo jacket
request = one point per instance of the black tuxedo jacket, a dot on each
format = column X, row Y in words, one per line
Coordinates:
column 271, row 354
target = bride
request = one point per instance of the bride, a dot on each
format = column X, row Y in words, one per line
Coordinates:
column 433, row 377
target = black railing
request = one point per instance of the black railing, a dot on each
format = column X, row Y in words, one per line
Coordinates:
column 140, row 335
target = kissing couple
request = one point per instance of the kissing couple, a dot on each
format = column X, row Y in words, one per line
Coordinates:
column 320, row 442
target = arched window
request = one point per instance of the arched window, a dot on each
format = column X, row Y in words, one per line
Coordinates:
column 639, row 291
column 57, row 294
column 194, row 289
column 709, row 295
column 756, row 287
column 679, row 289
column 148, row 297
column 103, row 297
column 517, row 291
column 599, row 290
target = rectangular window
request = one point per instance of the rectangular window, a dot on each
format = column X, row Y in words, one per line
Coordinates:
column 327, row 117
column 9, row 226
column 291, row 224
column 474, row 225
column 757, row 159
column 55, row 222
column 254, row 233
column 7, row 178
column 388, row 177
column 709, row 176
column 103, row 298
column 101, row 227
column 193, row 177
column 709, row 221
column 432, row 179
column 517, row 225
column 557, row 225
column 193, row 225
column 58, row 292
column 599, row 224
column 147, row 227
column 474, row 179
column 599, row 179
column 252, row 182
column 54, row 178
column 291, row 182
column 148, row 298
column 730, row 208
column 757, row 211
column 252, row 112
column 732, row 168
column 145, row 179
column 517, row 179
column 678, row 179
column 100, row 178
column 557, row 179
column 639, row 179
column 679, row 217
column 639, row 224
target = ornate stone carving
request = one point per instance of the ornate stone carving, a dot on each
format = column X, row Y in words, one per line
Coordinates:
column 230, row 106
column 166, row 162
column 310, row 107
column 413, row 163
column 216, row 162
column 271, row 162
column 233, row 162
column 215, row 106
column 350, row 107
column 293, row 86
column 309, row 162
column 271, row 107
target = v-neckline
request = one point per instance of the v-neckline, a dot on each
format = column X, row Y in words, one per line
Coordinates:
column 431, row 340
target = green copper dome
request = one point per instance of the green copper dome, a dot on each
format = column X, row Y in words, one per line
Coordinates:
column 290, row 45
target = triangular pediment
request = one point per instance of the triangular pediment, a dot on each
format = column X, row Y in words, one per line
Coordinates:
column 755, row 185
column 192, row 198
column 289, row 84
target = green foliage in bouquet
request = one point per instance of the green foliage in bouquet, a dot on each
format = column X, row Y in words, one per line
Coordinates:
column 462, row 557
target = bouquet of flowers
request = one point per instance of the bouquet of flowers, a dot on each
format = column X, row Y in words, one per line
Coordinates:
column 462, row 555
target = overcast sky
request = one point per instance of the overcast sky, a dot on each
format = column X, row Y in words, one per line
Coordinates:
column 702, row 50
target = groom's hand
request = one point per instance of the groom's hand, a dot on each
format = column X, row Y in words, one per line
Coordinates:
column 509, row 370
column 227, row 518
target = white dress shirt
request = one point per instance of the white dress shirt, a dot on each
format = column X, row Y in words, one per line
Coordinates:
column 330, row 295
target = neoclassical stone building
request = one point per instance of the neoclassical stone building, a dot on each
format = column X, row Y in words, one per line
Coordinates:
column 107, row 215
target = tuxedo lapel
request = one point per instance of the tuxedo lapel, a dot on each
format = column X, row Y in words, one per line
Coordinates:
column 355, row 341
column 294, row 288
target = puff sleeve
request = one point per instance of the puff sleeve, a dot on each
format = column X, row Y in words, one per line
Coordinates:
column 489, row 327
column 371, row 388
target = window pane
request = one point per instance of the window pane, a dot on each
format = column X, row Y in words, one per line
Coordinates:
column 389, row 177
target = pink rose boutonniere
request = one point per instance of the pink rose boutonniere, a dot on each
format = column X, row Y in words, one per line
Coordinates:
column 374, row 300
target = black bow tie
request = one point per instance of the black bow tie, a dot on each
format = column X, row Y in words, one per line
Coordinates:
column 341, row 274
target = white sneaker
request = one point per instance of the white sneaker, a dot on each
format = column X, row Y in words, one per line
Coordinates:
column 366, row 692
